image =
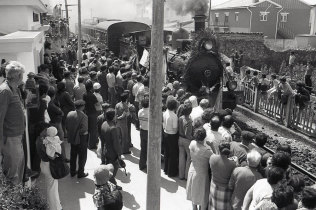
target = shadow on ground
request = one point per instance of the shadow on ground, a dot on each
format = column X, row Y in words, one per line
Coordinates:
column 129, row 201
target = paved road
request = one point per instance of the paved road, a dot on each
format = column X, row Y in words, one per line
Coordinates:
column 76, row 194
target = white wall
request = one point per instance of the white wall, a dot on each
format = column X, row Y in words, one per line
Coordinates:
column 27, row 59
column 14, row 18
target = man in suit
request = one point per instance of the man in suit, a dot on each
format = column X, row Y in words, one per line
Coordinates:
column 111, row 141
column 77, row 128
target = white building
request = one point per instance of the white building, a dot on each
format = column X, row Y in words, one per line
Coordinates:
column 23, row 35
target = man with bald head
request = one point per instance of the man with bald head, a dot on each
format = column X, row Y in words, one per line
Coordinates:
column 213, row 137
column 198, row 111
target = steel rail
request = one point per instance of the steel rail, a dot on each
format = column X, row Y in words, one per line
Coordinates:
column 296, row 167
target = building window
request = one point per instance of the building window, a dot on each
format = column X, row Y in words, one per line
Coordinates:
column 236, row 16
column 35, row 17
column 216, row 17
column 284, row 17
column 226, row 17
column 264, row 16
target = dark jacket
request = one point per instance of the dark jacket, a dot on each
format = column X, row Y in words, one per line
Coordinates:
column 76, row 126
column 54, row 111
column 66, row 103
column 110, row 137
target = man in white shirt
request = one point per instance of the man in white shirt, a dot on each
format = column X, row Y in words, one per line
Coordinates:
column 143, row 116
column 110, row 79
column 135, row 89
column 198, row 111
column 225, row 129
column 213, row 137
column 170, row 127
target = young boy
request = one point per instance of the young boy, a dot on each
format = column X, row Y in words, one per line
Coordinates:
column 106, row 195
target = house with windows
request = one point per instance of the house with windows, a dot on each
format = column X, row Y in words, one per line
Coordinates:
column 22, row 35
column 277, row 19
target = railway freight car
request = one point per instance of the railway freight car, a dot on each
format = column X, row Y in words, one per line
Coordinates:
column 110, row 32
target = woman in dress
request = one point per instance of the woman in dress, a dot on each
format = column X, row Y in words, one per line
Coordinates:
column 122, row 113
column 198, row 184
column 222, row 168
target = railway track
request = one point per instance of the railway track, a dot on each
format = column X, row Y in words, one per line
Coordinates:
column 301, row 170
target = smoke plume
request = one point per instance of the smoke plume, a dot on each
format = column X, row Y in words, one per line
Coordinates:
column 183, row 7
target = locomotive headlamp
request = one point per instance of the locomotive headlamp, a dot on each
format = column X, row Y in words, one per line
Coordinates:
column 208, row 45
column 232, row 85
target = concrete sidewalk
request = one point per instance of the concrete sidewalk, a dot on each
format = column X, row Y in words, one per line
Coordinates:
column 76, row 194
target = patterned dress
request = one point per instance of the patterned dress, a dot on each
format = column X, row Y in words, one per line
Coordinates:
column 120, row 108
column 198, row 184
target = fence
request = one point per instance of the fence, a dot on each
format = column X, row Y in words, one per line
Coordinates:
column 303, row 120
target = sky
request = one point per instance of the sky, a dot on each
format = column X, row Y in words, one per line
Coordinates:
column 118, row 9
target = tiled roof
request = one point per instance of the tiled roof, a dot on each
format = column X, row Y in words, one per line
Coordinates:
column 233, row 4
column 246, row 3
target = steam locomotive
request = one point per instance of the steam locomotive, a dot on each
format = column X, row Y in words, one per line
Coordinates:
column 199, row 65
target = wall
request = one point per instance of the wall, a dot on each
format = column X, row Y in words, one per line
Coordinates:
column 267, row 27
column 281, row 44
column 10, row 21
column 27, row 59
column 242, row 25
column 14, row 18
column 298, row 17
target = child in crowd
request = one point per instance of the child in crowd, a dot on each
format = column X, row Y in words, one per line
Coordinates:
column 52, row 142
column 106, row 195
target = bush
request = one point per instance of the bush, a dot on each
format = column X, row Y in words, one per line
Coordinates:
column 18, row 197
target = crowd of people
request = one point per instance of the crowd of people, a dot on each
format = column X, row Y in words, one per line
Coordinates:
column 93, row 106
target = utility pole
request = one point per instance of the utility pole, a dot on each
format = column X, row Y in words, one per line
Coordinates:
column 79, row 34
column 155, row 112
column 209, row 14
column 67, row 18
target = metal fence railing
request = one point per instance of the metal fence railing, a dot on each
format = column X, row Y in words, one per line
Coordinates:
column 303, row 120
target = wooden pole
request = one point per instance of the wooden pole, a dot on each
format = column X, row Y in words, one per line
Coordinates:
column 155, row 112
column 209, row 14
column 79, row 34
column 67, row 18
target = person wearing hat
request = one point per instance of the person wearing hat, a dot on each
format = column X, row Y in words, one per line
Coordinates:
column 240, row 149
column 243, row 178
column 98, row 106
column 77, row 128
column 106, row 195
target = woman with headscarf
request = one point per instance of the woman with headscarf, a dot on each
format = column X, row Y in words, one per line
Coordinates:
column 198, row 179
column 122, row 113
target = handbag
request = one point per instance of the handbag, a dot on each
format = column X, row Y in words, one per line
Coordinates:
column 58, row 167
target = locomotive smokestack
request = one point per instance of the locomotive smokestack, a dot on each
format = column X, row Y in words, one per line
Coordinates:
column 199, row 21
